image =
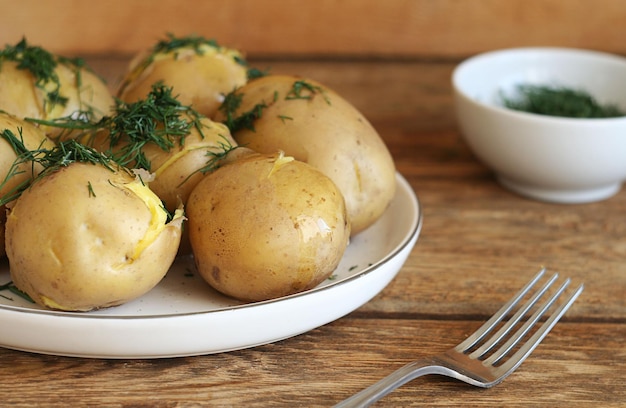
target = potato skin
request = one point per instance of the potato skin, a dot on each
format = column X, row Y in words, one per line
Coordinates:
column 75, row 249
column 266, row 226
column 20, row 96
column 33, row 138
column 199, row 80
column 324, row 130
column 177, row 171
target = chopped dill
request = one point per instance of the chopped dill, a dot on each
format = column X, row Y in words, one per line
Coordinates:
column 173, row 44
column 559, row 101
column 300, row 90
column 254, row 73
column 42, row 65
column 61, row 155
column 90, row 189
column 10, row 286
column 159, row 119
column 246, row 120
column 304, row 90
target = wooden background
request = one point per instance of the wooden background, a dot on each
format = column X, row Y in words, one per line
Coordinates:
column 389, row 29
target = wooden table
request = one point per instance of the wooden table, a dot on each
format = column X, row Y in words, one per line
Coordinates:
column 478, row 245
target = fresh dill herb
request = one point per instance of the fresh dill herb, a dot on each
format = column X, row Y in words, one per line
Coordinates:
column 24, row 156
column 214, row 158
column 61, row 155
column 42, row 65
column 159, row 119
column 172, row 44
column 302, row 89
column 246, row 120
column 10, row 286
column 559, row 101
column 90, row 189
column 254, row 73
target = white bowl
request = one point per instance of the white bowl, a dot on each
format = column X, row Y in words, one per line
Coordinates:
column 555, row 159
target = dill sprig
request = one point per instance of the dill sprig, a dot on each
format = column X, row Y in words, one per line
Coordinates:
column 42, row 65
column 245, row 120
column 300, row 90
column 10, row 286
column 559, row 101
column 61, row 155
column 173, row 43
column 159, row 119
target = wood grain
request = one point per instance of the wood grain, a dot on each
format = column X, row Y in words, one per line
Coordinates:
column 577, row 365
column 346, row 28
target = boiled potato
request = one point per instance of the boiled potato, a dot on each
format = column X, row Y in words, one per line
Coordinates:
column 178, row 170
column 87, row 237
column 266, row 226
column 13, row 173
column 314, row 124
column 172, row 141
column 199, row 70
column 37, row 84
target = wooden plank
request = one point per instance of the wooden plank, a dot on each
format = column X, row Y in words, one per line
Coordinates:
column 348, row 28
column 575, row 366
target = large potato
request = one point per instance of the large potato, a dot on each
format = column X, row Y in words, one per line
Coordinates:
column 85, row 237
column 35, row 83
column 314, row 124
column 200, row 71
column 266, row 226
column 14, row 173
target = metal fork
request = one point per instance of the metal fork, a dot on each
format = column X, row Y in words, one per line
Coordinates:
column 479, row 360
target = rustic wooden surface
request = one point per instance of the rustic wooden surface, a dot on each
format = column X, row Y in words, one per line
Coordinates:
column 340, row 28
column 478, row 245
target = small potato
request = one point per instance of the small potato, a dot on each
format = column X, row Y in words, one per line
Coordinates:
column 85, row 237
column 199, row 71
column 13, row 174
column 315, row 125
column 37, row 84
column 266, row 226
column 178, row 170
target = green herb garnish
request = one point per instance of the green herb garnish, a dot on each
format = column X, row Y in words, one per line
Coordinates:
column 559, row 101
column 42, row 65
column 10, row 286
column 300, row 90
column 61, row 155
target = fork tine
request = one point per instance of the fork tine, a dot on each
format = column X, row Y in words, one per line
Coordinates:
column 508, row 326
column 490, row 324
column 513, row 340
column 518, row 358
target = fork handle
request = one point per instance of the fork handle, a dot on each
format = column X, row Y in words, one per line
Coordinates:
column 394, row 380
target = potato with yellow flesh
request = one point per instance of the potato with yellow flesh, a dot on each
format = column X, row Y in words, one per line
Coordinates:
column 37, row 84
column 178, row 170
column 85, row 237
column 314, row 124
column 13, row 174
column 266, row 226
column 199, row 70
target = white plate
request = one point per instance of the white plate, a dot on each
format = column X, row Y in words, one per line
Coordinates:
column 183, row 316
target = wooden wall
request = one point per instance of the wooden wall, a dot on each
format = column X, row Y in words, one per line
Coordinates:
column 393, row 29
